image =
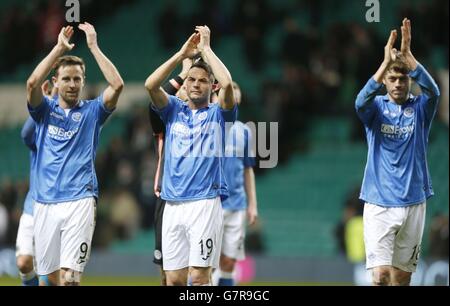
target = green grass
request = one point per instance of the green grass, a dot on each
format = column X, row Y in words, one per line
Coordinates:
column 152, row 281
column 98, row 281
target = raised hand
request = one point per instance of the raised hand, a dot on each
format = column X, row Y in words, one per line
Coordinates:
column 64, row 38
column 406, row 45
column 91, row 35
column 390, row 53
column 205, row 37
column 189, row 49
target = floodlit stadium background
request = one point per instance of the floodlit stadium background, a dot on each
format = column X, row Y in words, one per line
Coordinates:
column 299, row 63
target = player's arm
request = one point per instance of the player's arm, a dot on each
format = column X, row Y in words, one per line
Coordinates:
column 418, row 72
column 111, row 74
column 390, row 54
column 366, row 97
column 172, row 86
column 40, row 73
column 155, row 80
column 250, row 190
column 221, row 73
column 27, row 133
column 249, row 177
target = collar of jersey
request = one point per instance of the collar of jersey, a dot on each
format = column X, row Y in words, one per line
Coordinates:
column 186, row 105
column 77, row 106
column 386, row 98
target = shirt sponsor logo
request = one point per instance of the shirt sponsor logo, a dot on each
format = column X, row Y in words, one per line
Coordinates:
column 60, row 133
column 181, row 129
column 201, row 140
column 396, row 131
column 408, row 112
column 76, row 117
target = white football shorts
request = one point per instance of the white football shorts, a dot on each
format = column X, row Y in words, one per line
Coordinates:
column 63, row 234
column 393, row 235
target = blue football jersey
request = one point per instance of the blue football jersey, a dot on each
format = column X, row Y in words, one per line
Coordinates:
column 66, row 149
column 238, row 156
column 396, row 172
column 29, row 138
column 193, row 153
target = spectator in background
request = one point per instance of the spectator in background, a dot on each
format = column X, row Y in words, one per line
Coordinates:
column 439, row 241
column 4, row 221
column 169, row 25
column 349, row 231
column 50, row 22
column 443, row 112
column 125, row 214
column 252, row 19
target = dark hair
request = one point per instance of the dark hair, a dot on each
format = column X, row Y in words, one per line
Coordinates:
column 203, row 65
column 399, row 66
column 68, row 60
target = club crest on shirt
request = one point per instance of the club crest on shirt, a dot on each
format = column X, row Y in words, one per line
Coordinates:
column 408, row 112
column 202, row 116
column 76, row 117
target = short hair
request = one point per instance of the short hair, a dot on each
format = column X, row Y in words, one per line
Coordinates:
column 203, row 65
column 399, row 66
column 68, row 60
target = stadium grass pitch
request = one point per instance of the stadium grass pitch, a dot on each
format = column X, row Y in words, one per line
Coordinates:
column 154, row 281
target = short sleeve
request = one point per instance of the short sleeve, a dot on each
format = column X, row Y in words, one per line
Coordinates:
column 39, row 112
column 165, row 112
column 102, row 111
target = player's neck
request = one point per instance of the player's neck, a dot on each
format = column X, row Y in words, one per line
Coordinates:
column 65, row 105
column 398, row 101
column 197, row 106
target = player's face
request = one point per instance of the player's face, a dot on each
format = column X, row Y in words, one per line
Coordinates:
column 198, row 85
column 70, row 83
column 397, row 86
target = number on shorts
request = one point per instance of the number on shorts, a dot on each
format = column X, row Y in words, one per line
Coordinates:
column 209, row 245
column 415, row 255
column 84, row 250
